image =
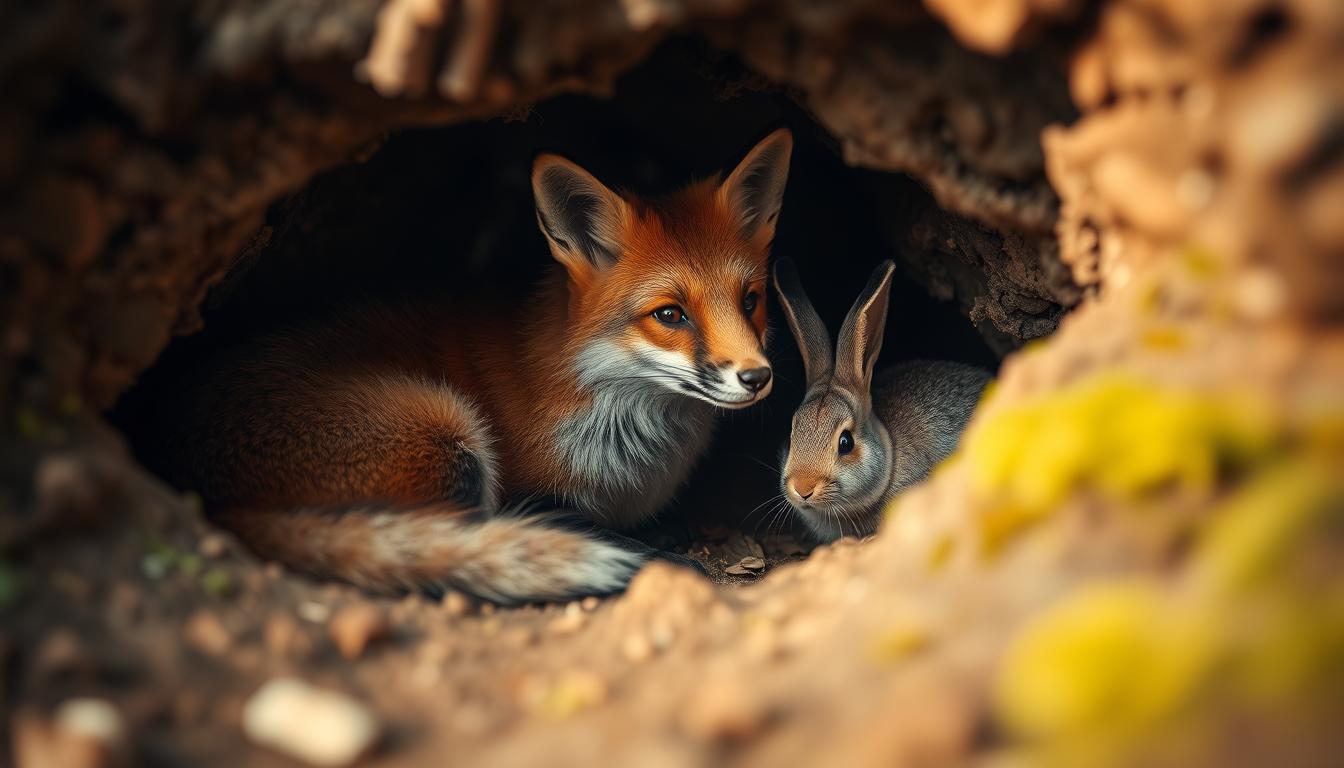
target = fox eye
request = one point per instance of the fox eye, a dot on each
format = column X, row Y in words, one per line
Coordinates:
column 749, row 302
column 846, row 442
column 669, row 315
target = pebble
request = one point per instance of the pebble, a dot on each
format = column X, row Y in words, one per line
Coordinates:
column 723, row 711
column 456, row 604
column 747, row 566
column 518, row 637
column 355, row 627
column 314, row 612
column 61, row 652
column 590, row 603
column 662, row 634
column 406, row 608
column 91, row 719
column 572, row 620
column 207, row 634
column 637, row 648
column 314, row 726
column 39, row 743
column 283, row 637
column 741, row 546
column 213, row 545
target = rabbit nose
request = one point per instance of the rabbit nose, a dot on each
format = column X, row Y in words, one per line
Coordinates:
column 755, row 379
column 811, row 490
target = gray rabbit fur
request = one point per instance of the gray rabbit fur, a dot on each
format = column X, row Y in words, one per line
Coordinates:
column 858, row 439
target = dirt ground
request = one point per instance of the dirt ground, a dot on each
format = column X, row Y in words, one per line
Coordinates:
column 176, row 626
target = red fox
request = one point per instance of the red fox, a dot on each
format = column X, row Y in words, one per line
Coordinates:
column 381, row 448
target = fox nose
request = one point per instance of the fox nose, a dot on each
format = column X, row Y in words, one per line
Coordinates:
column 755, row 379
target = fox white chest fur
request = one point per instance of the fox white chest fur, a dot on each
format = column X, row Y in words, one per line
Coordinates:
column 629, row 451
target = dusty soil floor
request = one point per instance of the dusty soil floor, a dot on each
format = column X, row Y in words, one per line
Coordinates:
column 175, row 625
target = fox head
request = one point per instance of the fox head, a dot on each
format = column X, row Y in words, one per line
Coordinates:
column 669, row 293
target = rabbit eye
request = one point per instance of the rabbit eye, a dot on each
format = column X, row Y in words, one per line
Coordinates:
column 846, row 442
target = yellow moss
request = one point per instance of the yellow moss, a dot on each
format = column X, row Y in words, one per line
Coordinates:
column 1110, row 434
column 899, row 643
column 1200, row 262
column 1105, row 661
column 1295, row 648
column 1252, row 625
column 1324, row 434
column 1257, row 532
column 940, row 553
column 1164, row 339
column 573, row 692
column 1000, row 524
column 1151, row 296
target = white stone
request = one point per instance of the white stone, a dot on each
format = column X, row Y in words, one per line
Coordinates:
column 315, row 726
column 92, row 719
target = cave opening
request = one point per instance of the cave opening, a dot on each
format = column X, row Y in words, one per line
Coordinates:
column 446, row 211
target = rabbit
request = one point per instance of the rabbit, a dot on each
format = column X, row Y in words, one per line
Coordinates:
column 857, row 440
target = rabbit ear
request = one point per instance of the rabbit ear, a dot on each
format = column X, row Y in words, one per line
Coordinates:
column 861, row 335
column 813, row 339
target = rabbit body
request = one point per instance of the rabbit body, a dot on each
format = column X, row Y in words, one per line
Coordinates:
column 858, row 439
column 924, row 404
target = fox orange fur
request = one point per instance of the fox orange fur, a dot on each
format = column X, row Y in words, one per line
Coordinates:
column 381, row 447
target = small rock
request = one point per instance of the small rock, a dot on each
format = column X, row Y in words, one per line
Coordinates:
column 61, row 652
column 426, row 675
column 213, row 545
column 518, row 637
column 207, row 634
column 41, row 743
column 637, row 648
column 315, row 726
column 283, row 637
column 752, row 563
column 456, row 604
column 355, row 627
column 661, row 633
column 189, row 708
column 92, row 719
column 406, row 608
column 740, row 545
column 436, row 651
column 590, row 603
column 723, row 711
column 572, row 620
column 314, row 612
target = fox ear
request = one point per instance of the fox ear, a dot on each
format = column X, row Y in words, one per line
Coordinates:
column 754, row 190
column 579, row 216
column 861, row 335
column 808, row 329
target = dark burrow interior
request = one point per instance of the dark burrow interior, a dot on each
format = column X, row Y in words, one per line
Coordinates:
column 449, row 210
